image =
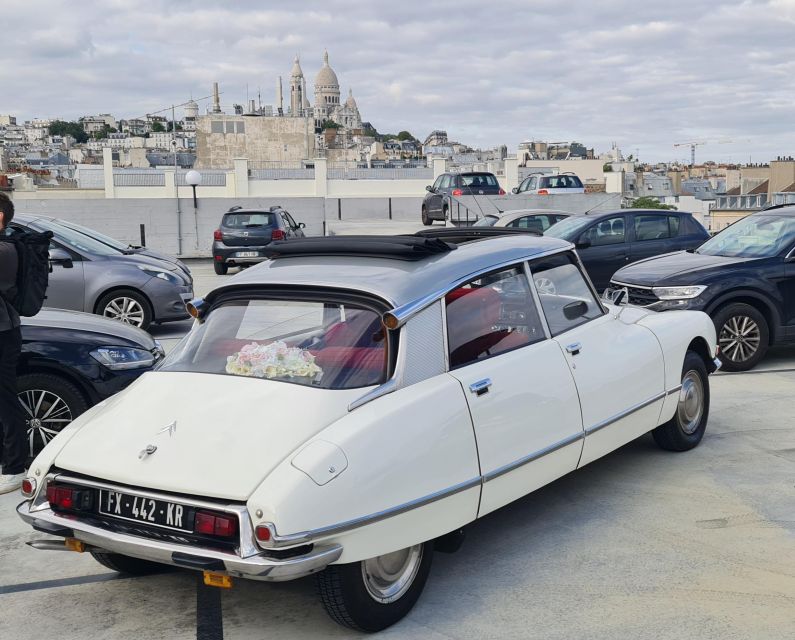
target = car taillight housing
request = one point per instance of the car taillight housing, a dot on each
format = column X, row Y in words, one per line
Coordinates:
column 217, row 235
column 69, row 498
column 458, row 192
column 277, row 234
column 218, row 525
column 501, row 192
column 263, row 533
column 28, row 487
column 543, row 192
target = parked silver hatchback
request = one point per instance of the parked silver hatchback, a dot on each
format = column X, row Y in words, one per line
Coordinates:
column 93, row 276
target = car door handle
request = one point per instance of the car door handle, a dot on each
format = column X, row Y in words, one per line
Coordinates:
column 574, row 348
column 480, row 387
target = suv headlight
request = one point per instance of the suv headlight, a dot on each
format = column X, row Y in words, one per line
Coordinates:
column 119, row 358
column 679, row 293
column 163, row 275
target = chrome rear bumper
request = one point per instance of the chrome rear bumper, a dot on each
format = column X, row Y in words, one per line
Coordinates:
column 255, row 567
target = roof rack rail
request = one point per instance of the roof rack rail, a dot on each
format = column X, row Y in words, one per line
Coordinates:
column 237, row 207
column 389, row 247
column 460, row 235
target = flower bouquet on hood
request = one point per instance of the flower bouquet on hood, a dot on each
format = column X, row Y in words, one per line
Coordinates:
column 274, row 360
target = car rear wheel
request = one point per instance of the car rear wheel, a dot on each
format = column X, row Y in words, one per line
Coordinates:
column 743, row 336
column 49, row 403
column 685, row 430
column 374, row 594
column 127, row 564
column 220, row 268
column 425, row 218
column 127, row 306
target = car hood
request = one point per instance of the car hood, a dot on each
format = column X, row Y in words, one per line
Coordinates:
column 147, row 260
column 661, row 269
column 230, row 432
column 89, row 323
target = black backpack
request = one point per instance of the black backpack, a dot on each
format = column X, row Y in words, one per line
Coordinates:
column 33, row 270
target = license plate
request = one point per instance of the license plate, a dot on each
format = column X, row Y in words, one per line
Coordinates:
column 247, row 254
column 159, row 513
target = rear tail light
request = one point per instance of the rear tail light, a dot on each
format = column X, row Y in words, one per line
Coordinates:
column 69, row 498
column 217, row 525
column 277, row 234
column 458, row 192
column 501, row 192
column 543, row 192
column 217, row 235
column 263, row 533
column 28, row 487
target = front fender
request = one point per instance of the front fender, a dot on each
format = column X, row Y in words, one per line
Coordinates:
column 412, row 475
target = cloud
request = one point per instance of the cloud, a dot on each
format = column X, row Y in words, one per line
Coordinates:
column 643, row 74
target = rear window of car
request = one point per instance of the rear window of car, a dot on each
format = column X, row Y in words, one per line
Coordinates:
column 479, row 180
column 486, row 221
column 249, row 220
column 323, row 344
column 560, row 182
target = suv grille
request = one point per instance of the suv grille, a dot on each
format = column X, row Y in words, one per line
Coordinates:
column 639, row 296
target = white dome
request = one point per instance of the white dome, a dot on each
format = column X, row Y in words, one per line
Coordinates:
column 351, row 102
column 326, row 76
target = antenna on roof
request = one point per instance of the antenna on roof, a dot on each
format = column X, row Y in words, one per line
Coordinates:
column 601, row 203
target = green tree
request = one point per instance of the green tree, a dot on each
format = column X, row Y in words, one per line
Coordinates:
column 103, row 133
column 405, row 135
column 607, row 167
column 157, row 127
column 170, row 126
column 329, row 124
column 64, row 128
column 647, row 202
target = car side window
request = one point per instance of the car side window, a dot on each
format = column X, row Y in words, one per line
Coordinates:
column 673, row 226
column 525, row 185
column 607, row 231
column 445, row 182
column 490, row 315
column 532, row 184
column 534, row 223
column 651, row 227
column 438, row 183
column 565, row 296
column 290, row 222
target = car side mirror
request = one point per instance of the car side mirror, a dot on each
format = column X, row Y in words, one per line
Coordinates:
column 515, row 190
column 429, row 189
column 616, row 297
column 62, row 257
column 575, row 310
column 301, row 225
column 582, row 243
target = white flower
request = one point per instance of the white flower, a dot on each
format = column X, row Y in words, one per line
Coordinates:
column 273, row 360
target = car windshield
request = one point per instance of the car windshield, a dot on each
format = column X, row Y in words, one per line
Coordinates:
column 248, row 220
column 479, row 180
column 111, row 242
column 486, row 221
column 80, row 242
column 756, row 236
column 318, row 344
column 568, row 228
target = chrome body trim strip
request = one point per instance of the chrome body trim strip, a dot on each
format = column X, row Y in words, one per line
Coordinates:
column 512, row 466
column 389, row 386
column 256, row 567
column 620, row 416
column 539, row 309
column 634, row 286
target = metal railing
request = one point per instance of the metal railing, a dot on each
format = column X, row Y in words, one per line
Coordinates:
column 365, row 173
column 139, row 178
column 209, row 178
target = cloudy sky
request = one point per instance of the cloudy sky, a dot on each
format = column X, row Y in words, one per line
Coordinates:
column 644, row 75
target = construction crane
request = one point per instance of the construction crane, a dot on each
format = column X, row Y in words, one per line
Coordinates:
column 697, row 143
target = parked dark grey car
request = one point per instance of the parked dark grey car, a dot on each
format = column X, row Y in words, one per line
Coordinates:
column 608, row 241
column 89, row 275
column 243, row 233
column 438, row 201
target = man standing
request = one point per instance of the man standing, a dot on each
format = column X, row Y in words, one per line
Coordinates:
column 13, row 449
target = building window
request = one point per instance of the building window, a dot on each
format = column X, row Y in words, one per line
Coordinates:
column 230, row 127
column 216, row 126
column 240, row 127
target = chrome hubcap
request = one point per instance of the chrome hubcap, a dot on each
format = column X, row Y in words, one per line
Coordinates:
column 47, row 413
column 739, row 338
column 125, row 309
column 691, row 402
column 388, row 577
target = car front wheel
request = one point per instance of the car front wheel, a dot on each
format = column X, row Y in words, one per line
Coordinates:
column 426, row 220
column 374, row 594
column 127, row 306
column 743, row 336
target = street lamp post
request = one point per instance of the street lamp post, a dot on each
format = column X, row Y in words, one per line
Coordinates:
column 194, row 179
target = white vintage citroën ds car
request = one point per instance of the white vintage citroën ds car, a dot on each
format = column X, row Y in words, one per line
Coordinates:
column 352, row 403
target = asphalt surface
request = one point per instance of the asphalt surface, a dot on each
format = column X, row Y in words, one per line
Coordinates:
column 640, row 544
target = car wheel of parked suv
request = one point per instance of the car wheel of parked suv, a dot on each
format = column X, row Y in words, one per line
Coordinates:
column 743, row 336
column 220, row 268
column 425, row 219
column 127, row 306
column 50, row 403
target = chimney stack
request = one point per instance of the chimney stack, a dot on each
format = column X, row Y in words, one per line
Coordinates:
column 216, row 99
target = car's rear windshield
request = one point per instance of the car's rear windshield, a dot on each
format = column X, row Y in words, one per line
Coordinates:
column 249, row 220
column 479, row 180
column 756, row 236
column 486, row 221
column 560, row 182
column 318, row 344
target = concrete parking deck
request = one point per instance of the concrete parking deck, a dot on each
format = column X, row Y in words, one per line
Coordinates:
column 640, row 544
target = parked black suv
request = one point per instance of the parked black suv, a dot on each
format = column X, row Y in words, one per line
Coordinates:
column 744, row 278
column 437, row 202
column 243, row 233
column 608, row 241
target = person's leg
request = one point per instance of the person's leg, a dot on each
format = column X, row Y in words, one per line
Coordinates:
column 14, row 444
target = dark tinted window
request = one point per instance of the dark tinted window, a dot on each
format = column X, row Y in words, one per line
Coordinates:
column 445, row 181
column 560, row 182
column 539, row 222
column 651, row 227
column 491, row 315
column 607, row 231
column 565, row 296
column 249, row 220
column 486, row 221
column 673, row 225
column 438, row 183
column 479, row 180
